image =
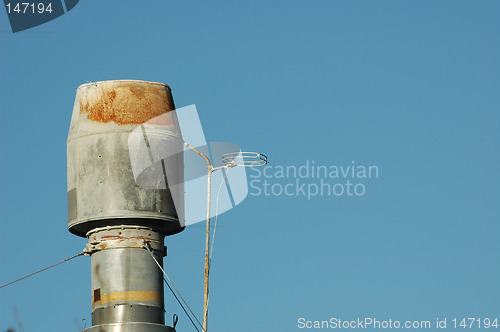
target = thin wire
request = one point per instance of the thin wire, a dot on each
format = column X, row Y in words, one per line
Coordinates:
column 162, row 270
column 216, row 213
column 49, row 267
column 165, row 274
column 173, row 293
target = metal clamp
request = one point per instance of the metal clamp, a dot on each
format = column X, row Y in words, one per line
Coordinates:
column 115, row 237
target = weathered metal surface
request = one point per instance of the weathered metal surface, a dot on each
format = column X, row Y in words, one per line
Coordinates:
column 130, row 327
column 123, row 237
column 125, row 102
column 126, row 282
column 102, row 190
column 122, row 313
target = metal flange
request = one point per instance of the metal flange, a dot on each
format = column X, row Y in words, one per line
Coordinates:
column 123, row 236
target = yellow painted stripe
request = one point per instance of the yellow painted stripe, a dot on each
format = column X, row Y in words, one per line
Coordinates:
column 128, row 296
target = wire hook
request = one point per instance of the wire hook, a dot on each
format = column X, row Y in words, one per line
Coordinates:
column 176, row 318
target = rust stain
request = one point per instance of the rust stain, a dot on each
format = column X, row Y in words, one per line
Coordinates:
column 127, row 296
column 126, row 103
column 112, row 237
column 102, row 246
column 118, row 237
column 96, row 296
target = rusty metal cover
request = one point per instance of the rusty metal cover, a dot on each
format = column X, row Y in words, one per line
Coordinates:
column 101, row 187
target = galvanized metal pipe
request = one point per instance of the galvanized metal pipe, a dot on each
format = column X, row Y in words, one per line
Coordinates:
column 127, row 285
column 118, row 215
column 102, row 188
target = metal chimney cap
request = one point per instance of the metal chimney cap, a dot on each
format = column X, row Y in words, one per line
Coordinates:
column 121, row 81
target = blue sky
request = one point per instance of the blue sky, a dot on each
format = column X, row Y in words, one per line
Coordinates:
column 411, row 87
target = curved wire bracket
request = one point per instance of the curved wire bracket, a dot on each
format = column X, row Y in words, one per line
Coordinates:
column 244, row 159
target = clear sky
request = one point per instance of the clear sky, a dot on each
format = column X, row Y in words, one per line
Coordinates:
column 411, row 87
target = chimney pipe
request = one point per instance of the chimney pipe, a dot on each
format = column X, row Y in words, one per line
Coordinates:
column 118, row 216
